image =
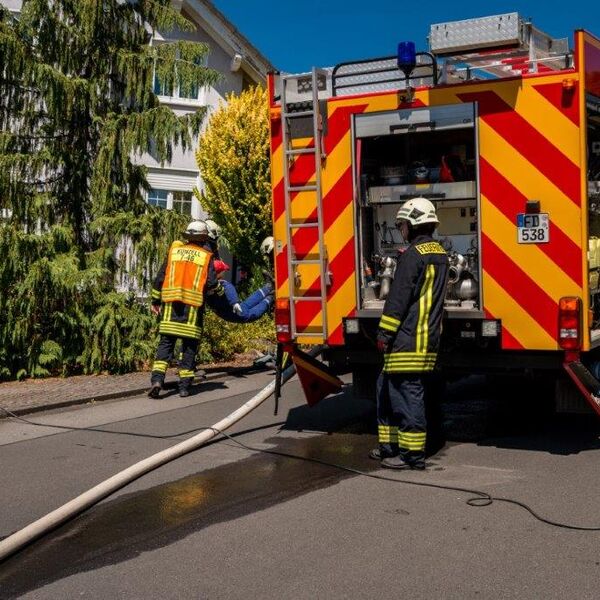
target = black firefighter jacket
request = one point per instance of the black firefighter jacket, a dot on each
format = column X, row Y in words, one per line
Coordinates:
column 410, row 325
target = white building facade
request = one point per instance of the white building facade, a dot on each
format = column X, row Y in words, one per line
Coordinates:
column 240, row 64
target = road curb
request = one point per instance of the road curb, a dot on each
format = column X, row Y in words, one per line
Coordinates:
column 27, row 410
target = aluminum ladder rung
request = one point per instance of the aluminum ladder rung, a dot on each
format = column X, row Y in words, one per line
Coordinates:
column 304, row 225
column 295, row 76
column 307, row 299
column 295, row 151
column 296, row 115
column 307, row 261
column 302, row 188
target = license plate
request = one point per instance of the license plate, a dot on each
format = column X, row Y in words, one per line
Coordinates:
column 533, row 228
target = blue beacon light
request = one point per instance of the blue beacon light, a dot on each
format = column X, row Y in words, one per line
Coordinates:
column 407, row 57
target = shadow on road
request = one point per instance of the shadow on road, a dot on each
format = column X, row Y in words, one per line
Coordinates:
column 515, row 414
column 129, row 525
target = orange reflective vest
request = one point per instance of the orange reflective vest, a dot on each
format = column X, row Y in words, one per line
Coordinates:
column 185, row 275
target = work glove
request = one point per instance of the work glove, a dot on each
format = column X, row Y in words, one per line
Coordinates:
column 237, row 309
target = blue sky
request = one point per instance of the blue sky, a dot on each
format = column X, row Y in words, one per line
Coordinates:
column 297, row 35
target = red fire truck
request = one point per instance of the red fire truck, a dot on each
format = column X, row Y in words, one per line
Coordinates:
column 498, row 124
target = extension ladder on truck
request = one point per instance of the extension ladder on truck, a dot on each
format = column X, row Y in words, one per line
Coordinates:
column 289, row 114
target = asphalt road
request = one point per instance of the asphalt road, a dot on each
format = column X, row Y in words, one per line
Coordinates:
column 228, row 522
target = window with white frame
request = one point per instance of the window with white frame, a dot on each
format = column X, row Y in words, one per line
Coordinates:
column 192, row 92
column 182, row 203
column 158, row 198
column 176, row 200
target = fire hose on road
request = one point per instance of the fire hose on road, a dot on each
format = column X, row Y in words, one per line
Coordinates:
column 21, row 538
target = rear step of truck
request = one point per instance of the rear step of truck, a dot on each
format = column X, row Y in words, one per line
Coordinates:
column 587, row 384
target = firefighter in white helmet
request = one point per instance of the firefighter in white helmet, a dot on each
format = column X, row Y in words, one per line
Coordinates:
column 408, row 335
column 179, row 292
column 267, row 247
column 214, row 232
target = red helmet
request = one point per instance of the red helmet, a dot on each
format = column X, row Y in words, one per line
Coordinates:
column 221, row 266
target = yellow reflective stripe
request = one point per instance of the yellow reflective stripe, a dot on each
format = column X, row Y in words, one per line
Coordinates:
column 408, row 446
column 425, row 309
column 184, row 373
column 389, row 323
column 385, row 433
column 199, row 273
column 171, row 268
column 411, row 441
column 155, row 294
column 388, row 428
column 182, row 295
column 192, row 316
column 404, row 356
column 179, row 329
column 417, row 435
column 167, row 312
column 160, row 366
column 409, row 368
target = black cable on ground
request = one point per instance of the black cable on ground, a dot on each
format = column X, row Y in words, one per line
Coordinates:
column 480, row 498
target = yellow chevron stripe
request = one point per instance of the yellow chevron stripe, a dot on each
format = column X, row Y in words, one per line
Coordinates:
column 336, row 237
column 384, row 101
column 304, row 202
column 337, row 162
column 340, row 304
column 530, row 182
column 558, row 129
column 277, row 166
column 555, row 282
column 342, row 229
column 526, row 330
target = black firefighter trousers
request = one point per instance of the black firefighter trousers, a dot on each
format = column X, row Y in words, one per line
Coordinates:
column 401, row 415
column 164, row 355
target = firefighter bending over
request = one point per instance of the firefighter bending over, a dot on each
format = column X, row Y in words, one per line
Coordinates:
column 408, row 335
column 179, row 290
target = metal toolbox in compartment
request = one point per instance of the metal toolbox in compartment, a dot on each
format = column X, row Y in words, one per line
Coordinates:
column 459, row 190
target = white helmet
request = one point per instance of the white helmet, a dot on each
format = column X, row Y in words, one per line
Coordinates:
column 214, row 231
column 418, row 211
column 196, row 231
column 267, row 245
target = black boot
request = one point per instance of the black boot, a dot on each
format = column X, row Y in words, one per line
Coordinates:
column 155, row 391
column 397, row 462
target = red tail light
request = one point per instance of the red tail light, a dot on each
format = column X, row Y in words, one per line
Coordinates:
column 283, row 320
column 569, row 323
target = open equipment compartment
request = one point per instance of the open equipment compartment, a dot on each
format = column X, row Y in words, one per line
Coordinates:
column 429, row 152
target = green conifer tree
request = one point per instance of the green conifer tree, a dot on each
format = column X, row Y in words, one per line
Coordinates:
column 76, row 107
